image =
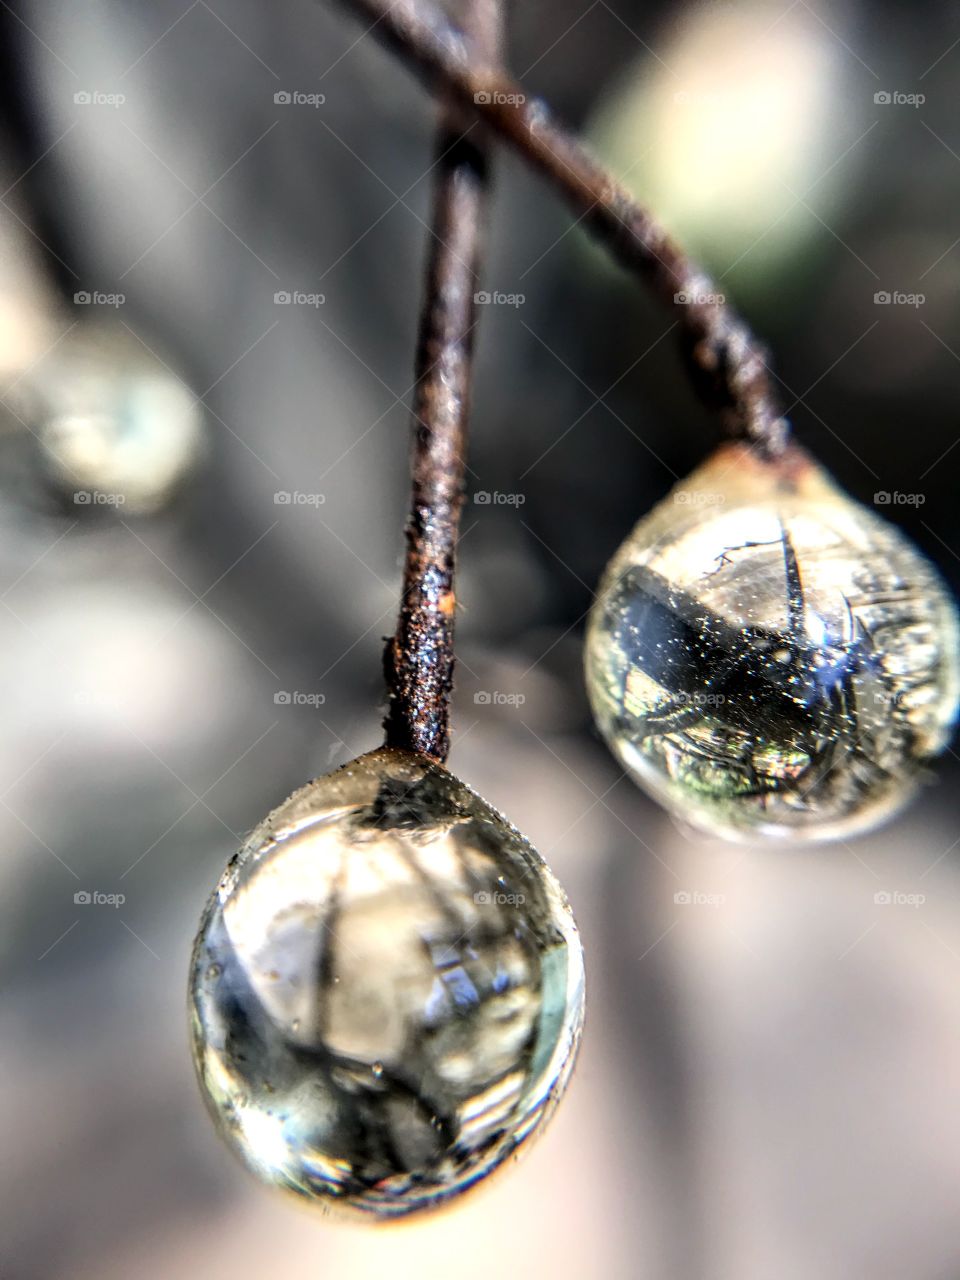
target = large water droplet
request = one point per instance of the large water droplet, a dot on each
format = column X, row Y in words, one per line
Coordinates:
column 403, row 968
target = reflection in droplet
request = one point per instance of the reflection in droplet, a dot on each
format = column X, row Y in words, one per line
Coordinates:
column 404, row 969
column 767, row 656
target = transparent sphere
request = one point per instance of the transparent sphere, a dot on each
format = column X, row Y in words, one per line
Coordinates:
column 116, row 426
column 768, row 657
column 386, row 990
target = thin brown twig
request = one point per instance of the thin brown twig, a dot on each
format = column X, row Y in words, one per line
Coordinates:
column 728, row 363
column 419, row 658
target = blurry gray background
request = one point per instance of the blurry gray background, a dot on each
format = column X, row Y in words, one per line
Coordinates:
column 769, row 1083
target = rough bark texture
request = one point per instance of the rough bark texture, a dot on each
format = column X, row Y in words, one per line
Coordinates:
column 419, row 658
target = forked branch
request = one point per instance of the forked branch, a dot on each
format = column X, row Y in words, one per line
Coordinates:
column 729, row 365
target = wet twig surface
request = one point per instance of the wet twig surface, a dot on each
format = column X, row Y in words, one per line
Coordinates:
column 419, row 658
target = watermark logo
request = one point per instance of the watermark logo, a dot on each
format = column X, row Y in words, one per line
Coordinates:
column 97, row 98
column 493, row 898
column 297, row 98
column 697, row 698
column 94, row 298
column 894, row 98
column 894, row 898
column 694, row 898
column 286, row 498
column 696, row 298
column 897, row 298
column 86, row 898
column 889, row 698
column 297, row 298
column 484, row 298
column 884, row 498
column 698, row 498
column 486, row 498
column 95, row 498
column 497, row 98
column 494, row 698
column 294, row 698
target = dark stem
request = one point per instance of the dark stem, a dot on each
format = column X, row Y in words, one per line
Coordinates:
column 418, row 660
column 728, row 363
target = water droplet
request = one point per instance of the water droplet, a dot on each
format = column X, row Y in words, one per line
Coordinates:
column 766, row 656
column 343, row 887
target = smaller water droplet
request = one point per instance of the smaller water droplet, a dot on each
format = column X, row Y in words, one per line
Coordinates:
column 746, row 646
